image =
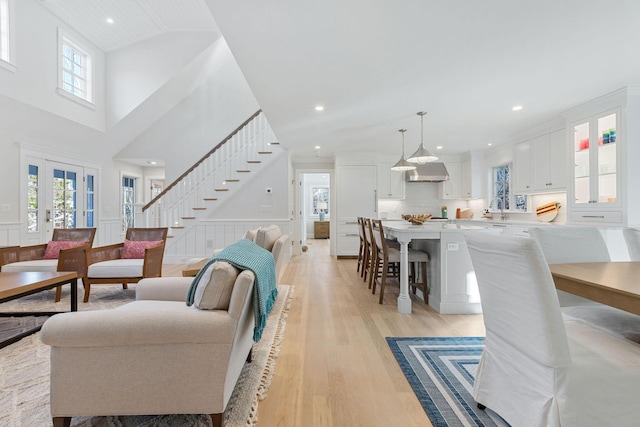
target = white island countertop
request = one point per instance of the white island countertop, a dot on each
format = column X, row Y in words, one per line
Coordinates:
column 445, row 237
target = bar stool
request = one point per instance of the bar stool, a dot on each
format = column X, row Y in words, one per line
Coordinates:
column 369, row 251
column 388, row 262
column 361, row 250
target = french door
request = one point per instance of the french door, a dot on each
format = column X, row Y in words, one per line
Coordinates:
column 59, row 196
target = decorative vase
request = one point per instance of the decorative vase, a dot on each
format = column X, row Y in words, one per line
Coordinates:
column 321, row 216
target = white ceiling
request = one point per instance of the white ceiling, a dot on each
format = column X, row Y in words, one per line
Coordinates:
column 134, row 20
column 374, row 63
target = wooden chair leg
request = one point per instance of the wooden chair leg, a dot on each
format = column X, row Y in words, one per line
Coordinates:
column 61, row 421
column 87, row 289
column 383, row 281
column 58, row 293
column 217, row 420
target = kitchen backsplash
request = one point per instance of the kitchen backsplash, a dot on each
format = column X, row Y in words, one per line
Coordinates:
column 422, row 198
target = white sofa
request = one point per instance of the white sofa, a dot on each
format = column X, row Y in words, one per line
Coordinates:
column 155, row 355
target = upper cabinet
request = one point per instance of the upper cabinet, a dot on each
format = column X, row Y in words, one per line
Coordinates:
column 604, row 147
column 390, row 183
column 540, row 164
column 465, row 177
column 450, row 189
column 549, row 157
column 595, row 156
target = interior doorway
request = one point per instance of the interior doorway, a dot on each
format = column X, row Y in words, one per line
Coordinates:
column 314, row 205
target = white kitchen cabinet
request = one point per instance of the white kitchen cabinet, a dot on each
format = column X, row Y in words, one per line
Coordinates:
column 471, row 167
column 522, row 168
column 603, row 186
column 540, row 164
column 595, row 156
column 356, row 196
column 451, row 189
column 549, row 157
column 390, row 183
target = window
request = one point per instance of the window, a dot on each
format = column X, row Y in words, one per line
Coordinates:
column 6, row 35
column 128, row 201
column 75, row 71
column 320, row 200
column 32, row 199
column 501, row 178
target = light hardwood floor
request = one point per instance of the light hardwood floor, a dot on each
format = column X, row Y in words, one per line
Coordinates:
column 335, row 367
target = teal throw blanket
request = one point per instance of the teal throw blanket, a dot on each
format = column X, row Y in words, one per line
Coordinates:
column 246, row 255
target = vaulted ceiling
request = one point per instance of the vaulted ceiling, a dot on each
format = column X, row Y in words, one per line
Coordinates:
column 373, row 64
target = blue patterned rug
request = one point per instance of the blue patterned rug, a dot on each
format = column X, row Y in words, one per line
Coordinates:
column 441, row 373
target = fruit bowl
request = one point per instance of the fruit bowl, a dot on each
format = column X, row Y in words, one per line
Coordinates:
column 416, row 218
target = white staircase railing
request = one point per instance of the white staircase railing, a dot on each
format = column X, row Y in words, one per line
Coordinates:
column 213, row 176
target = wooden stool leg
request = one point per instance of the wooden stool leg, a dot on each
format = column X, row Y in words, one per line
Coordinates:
column 58, row 293
column 425, row 283
column 87, row 289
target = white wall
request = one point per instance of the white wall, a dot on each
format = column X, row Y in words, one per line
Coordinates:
column 36, row 59
column 200, row 121
column 135, row 72
column 252, row 201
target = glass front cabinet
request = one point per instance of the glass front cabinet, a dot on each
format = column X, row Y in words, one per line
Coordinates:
column 595, row 157
column 596, row 178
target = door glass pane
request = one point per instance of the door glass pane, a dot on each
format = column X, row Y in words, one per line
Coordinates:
column 64, row 199
column 607, row 135
column 32, row 199
column 581, row 158
column 90, row 200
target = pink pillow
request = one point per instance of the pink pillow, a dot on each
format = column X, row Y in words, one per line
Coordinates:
column 136, row 248
column 54, row 247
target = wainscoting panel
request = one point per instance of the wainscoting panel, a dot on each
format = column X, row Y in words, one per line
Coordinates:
column 206, row 236
column 10, row 234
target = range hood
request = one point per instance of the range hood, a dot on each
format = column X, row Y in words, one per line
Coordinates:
column 429, row 172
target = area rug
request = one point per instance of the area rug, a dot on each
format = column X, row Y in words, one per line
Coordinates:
column 24, row 370
column 441, row 372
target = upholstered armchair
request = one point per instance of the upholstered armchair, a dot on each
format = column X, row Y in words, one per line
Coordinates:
column 65, row 252
column 139, row 256
column 155, row 355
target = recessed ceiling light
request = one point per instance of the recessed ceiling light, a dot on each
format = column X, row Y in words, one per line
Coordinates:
column 319, row 108
column 317, row 147
column 517, row 108
column 439, row 147
column 151, row 162
column 109, row 20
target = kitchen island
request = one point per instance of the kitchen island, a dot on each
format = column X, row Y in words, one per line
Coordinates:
column 452, row 283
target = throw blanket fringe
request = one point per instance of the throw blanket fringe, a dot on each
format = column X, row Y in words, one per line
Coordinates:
column 246, row 255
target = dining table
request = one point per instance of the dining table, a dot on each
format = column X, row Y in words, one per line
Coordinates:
column 616, row 283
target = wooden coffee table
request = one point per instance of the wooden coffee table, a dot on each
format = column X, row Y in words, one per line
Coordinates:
column 17, row 285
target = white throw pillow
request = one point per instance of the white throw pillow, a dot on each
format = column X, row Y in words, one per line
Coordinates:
column 250, row 234
column 215, row 286
column 266, row 237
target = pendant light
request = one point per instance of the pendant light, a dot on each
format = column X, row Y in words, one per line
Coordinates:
column 402, row 164
column 422, row 155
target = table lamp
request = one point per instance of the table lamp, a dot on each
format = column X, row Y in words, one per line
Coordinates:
column 321, row 207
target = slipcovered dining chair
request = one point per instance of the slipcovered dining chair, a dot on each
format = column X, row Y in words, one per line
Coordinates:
column 568, row 244
column 64, row 252
column 632, row 238
column 386, row 264
column 138, row 257
column 538, row 369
